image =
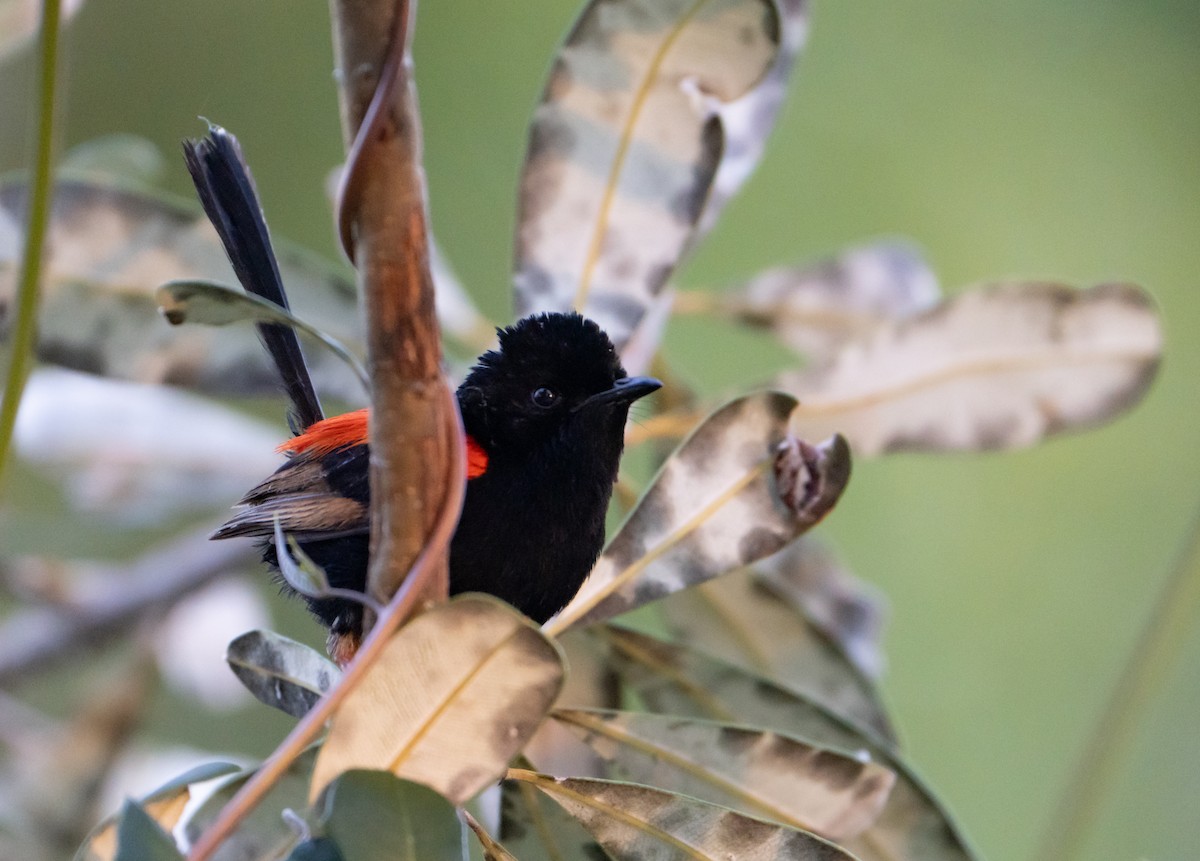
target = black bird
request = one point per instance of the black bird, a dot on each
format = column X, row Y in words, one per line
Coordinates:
column 544, row 414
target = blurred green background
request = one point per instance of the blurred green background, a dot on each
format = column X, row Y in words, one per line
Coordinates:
column 1025, row 139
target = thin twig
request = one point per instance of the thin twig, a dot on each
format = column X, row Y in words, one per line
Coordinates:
column 1161, row 639
column 25, row 328
column 36, row 639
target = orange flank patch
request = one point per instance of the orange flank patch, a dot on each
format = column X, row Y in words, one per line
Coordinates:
column 350, row 429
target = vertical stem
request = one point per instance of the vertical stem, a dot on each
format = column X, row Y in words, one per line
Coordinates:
column 26, row 299
column 384, row 229
column 1158, row 643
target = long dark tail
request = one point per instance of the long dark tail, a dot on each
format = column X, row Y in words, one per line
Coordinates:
column 227, row 193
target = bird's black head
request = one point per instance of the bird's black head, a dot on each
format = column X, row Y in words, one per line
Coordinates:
column 551, row 373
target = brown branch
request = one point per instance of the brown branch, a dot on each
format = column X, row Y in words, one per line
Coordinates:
column 383, row 224
column 35, row 639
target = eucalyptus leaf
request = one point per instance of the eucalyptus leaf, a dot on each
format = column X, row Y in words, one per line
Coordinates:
column 534, row 828
column 452, row 698
column 297, row 568
column 638, row 822
column 624, row 147
column 736, row 490
column 376, row 816
column 109, row 247
column 281, row 672
column 1001, row 366
column 140, row 838
column 671, row 680
column 219, row 305
column 757, row 772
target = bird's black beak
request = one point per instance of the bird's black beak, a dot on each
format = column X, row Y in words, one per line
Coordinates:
column 624, row 391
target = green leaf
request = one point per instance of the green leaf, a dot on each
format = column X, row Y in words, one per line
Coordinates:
column 297, row 568
column 320, row 849
column 139, row 838
column 280, row 672
column 219, row 305
column 376, row 816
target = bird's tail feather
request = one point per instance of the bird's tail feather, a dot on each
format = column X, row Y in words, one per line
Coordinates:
column 227, row 194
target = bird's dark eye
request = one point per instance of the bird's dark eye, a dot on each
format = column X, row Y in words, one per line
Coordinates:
column 544, row 397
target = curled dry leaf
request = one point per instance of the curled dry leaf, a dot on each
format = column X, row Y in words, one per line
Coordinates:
column 636, row 822
column 676, row 681
column 110, row 248
column 451, row 699
column 624, row 147
column 997, row 367
column 281, row 672
column 745, row 622
column 736, row 490
column 806, row 577
column 756, row 772
column 815, row 309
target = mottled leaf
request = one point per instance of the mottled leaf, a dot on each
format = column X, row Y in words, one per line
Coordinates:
column 534, row 828
column 807, row 576
column 749, row 120
column 817, row 308
column 451, row 699
column 264, row 833
column 110, row 248
column 376, row 816
column 997, row 367
column 756, row 772
column 140, row 838
column 218, row 305
column 736, row 490
column 744, row 622
column 676, row 681
column 640, row 822
column 281, row 672
column 20, row 21
column 624, row 147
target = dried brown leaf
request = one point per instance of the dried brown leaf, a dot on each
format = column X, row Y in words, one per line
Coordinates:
column 451, row 699
column 745, row 622
column 997, row 367
column 639, row 822
column 624, row 147
column 108, row 251
column 676, row 681
column 756, row 772
column 736, row 490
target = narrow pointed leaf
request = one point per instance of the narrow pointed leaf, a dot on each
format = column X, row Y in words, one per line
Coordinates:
column 742, row 621
column 815, row 309
column 281, row 672
column 675, row 681
column 109, row 249
column 640, row 822
column 624, row 147
column 297, row 568
column 218, row 305
column 492, row 850
column 736, row 490
column 996, row 367
column 534, row 828
column 454, row 696
column 756, row 772
column 376, row 816
column 749, row 120
column 140, row 838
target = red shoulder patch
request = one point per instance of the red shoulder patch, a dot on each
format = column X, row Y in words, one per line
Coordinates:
column 329, row 435
column 350, row 429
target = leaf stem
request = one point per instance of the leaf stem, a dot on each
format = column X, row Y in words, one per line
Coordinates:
column 26, row 300
column 1161, row 638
